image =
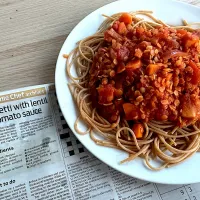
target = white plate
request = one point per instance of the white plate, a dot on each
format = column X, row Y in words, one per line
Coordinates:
column 169, row 11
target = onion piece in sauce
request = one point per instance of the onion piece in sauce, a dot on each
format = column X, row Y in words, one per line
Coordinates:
column 173, row 53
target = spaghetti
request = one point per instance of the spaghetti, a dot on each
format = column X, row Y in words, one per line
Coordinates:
column 114, row 117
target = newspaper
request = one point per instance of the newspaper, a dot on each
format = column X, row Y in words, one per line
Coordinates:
column 40, row 158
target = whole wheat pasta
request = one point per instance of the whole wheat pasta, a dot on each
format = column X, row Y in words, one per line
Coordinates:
column 161, row 139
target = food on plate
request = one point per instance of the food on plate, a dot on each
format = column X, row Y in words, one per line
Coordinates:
column 137, row 87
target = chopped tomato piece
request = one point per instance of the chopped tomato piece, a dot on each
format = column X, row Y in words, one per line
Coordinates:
column 122, row 28
column 164, row 34
column 182, row 32
column 123, row 53
column 131, row 111
column 134, row 64
column 190, row 40
column 196, row 73
column 152, row 69
column 106, row 94
column 143, row 45
column 116, row 25
column 112, row 34
column 188, row 108
column 138, row 130
column 139, row 31
column 126, row 18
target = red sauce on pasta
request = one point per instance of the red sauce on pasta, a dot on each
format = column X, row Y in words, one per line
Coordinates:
column 142, row 74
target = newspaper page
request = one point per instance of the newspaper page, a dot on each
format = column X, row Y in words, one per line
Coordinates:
column 41, row 159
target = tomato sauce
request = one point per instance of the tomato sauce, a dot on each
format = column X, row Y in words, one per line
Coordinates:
column 143, row 74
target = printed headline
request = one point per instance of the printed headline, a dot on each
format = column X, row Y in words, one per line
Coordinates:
column 25, row 105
